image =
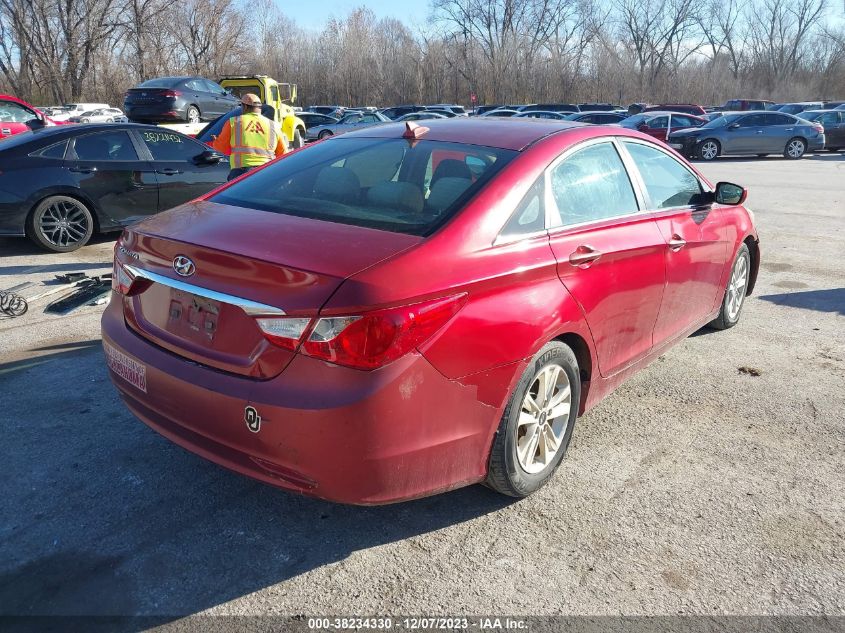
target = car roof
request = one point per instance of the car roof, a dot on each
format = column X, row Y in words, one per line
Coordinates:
column 512, row 134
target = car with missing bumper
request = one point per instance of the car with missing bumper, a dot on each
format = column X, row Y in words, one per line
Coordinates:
column 406, row 309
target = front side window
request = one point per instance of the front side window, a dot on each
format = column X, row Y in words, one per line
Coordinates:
column 105, row 146
column 11, row 112
column 668, row 183
column 388, row 184
column 165, row 145
column 591, row 184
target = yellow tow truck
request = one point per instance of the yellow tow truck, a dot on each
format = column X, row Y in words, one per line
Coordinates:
column 278, row 95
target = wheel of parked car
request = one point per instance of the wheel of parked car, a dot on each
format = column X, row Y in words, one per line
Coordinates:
column 795, row 148
column 537, row 424
column 735, row 292
column 60, row 224
column 85, row 120
column 297, row 139
column 324, row 134
column 709, row 149
column 193, row 114
column 109, row 120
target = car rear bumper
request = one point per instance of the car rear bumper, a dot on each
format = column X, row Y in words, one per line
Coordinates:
column 158, row 112
column 400, row 432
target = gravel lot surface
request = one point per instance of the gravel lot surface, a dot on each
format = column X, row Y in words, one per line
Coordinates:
column 698, row 487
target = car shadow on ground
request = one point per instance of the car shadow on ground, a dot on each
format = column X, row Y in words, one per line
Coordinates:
column 21, row 246
column 830, row 300
column 102, row 516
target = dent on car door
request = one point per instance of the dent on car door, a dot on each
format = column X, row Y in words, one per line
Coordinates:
column 696, row 244
column 610, row 255
column 108, row 170
column 182, row 173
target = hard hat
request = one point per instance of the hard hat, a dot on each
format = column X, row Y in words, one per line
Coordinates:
column 251, row 100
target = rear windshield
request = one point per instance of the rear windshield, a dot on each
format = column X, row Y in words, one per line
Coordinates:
column 389, row 184
column 161, row 82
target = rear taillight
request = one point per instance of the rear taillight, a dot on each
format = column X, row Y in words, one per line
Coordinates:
column 121, row 279
column 819, row 128
column 365, row 341
column 171, row 93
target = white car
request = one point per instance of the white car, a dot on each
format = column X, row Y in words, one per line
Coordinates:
column 72, row 110
column 101, row 115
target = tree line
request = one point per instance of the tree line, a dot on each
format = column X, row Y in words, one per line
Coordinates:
column 503, row 51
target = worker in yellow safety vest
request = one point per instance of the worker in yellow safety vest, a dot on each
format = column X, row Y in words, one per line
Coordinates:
column 250, row 139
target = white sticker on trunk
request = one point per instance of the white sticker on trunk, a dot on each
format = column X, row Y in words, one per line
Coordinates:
column 127, row 368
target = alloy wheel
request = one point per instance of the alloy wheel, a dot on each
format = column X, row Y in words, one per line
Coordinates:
column 64, row 223
column 795, row 149
column 193, row 115
column 709, row 151
column 737, row 287
column 543, row 419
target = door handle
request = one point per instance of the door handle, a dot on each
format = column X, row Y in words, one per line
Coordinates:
column 677, row 242
column 759, row 131
column 168, row 171
column 789, row 129
column 584, row 256
column 83, row 170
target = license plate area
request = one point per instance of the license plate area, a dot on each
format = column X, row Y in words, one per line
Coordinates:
column 192, row 317
column 126, row 367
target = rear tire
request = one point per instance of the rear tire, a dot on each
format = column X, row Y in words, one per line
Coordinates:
column 795, row 148
column 192, row 114
column 531, row 441
column 324, row 134
column 735, row 291
column 709, row 150
column 60, row 224
column 297, row 139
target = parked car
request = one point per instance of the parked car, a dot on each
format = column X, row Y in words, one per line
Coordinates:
column 17, row 116
column 445, row 113
column 599, row 117
column 61, row 184
column 500, row 112
column 597, row 107
column 102, row 115
column 191, row 99
column 585, row 253
column 832, row 105
column 840, row 107
column 833, row 122
column 422, row 116
column 549, row 107
column 683, row 108
column 334, row 111
column 796, row 108
column 448, row 107
column 347, row 123
column 757, row 132
column 738, row 105
column 70, row 110
column 657, row 124
column 396, row 111
column 541, row 114
column 313, row 119
column 485, row 108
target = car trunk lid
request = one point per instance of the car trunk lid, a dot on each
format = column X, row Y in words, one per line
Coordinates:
column 244, row 264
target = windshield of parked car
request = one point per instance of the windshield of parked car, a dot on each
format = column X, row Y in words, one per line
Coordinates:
column 721, row 121
column 397, row 185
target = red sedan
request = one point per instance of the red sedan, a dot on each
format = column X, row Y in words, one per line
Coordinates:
column 18, row 116
column 659, row 124
column 404, row 310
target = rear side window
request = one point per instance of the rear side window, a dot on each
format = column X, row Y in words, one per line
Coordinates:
column 53, row 151
column 530, row 216
column 668, row 183
column 778, row 119
column 591, row 184
column 388, row 184
column 105, row 146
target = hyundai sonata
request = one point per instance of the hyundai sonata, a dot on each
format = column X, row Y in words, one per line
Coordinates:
column 403, row 310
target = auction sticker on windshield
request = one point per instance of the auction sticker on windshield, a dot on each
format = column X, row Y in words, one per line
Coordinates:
column 127, row 368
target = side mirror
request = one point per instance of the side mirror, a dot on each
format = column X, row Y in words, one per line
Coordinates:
column 733, row 126
column 210, row 157
column 729, row 193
